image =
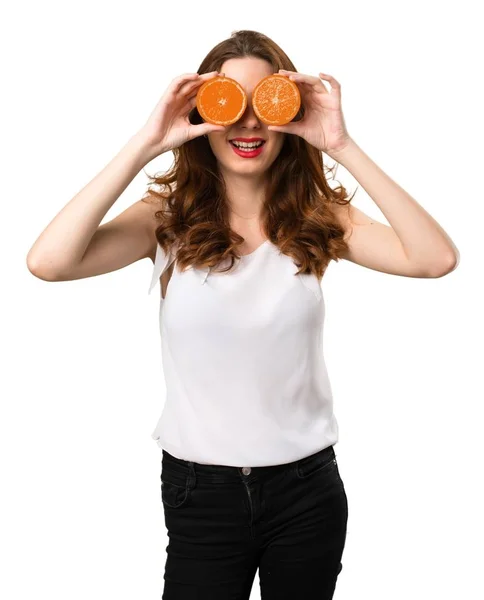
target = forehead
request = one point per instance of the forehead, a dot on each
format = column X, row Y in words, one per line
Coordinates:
column 248, row 71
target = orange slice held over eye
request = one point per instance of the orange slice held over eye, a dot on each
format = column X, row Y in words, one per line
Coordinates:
column 221, row 101
column 276, row 100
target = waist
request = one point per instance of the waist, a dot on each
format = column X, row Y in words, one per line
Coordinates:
column 218, row 474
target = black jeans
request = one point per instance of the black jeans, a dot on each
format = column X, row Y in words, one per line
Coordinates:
column 223, row 523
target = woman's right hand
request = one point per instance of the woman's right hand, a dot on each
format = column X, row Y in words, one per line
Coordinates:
column 168, row 126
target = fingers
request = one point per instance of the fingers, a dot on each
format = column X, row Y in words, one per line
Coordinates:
column 187, row 86
column 209, row 75
column 302, row 78
column 179, row 81
column 190, row 104
column 314, row 82
column 331, row 79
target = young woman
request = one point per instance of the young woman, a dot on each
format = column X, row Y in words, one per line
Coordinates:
column 239, row 245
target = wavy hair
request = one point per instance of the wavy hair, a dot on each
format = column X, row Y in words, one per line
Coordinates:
column 298, row 214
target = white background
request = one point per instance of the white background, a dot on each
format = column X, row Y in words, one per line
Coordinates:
column 82, row 384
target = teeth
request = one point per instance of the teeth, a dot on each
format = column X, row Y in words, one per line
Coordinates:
column 247, row 144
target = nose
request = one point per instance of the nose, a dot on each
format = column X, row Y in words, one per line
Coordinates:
column 249, row 119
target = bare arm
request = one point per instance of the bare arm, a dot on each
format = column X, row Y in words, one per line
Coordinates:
column 61, row 248
column 413, row 245
column 74, row 245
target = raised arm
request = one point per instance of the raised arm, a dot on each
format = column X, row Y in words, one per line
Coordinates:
column 74, row 244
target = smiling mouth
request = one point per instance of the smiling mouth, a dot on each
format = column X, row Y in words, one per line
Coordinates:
column 247, row 147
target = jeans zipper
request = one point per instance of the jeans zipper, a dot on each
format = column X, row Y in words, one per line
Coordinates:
column 251, row 510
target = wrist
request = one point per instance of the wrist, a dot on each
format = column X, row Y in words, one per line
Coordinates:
column 340, row 152
column 142, row 147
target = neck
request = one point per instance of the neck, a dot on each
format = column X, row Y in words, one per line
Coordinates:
column 245, row 197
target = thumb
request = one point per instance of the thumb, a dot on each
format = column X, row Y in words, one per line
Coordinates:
column 204, row 129
column 288, row 128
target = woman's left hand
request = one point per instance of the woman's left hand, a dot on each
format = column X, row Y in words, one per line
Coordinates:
column 323, row 124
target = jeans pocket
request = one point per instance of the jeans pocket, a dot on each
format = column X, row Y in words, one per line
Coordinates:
column 315, row 464
column 173, row 495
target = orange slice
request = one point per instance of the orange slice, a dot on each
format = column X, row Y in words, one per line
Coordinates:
column 276, row 99
column 221, row 101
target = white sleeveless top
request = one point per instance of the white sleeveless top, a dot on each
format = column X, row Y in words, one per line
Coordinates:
column 242, row 356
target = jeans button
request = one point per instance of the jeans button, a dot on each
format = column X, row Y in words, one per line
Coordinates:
column 246, row 470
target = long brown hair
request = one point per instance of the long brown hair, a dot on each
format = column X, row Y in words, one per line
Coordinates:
column 298, row 214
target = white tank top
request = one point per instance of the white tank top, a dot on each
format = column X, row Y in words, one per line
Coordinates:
column 242, row 357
